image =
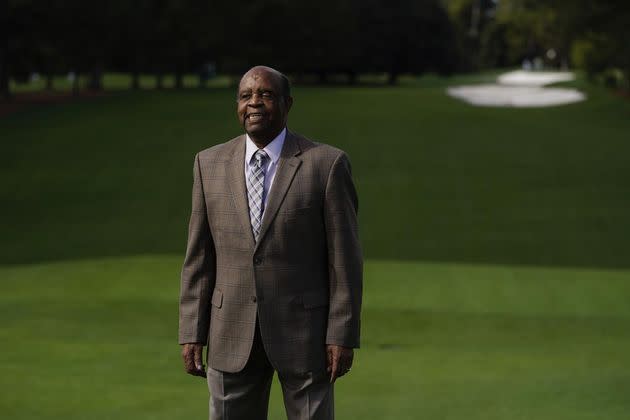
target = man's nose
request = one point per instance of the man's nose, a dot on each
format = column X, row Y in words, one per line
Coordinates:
column 255, row 100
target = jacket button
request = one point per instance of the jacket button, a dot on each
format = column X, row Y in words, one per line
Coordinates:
column 254, row 299
column 257, row 260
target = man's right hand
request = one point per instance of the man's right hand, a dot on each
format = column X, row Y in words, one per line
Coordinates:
column 192, row 354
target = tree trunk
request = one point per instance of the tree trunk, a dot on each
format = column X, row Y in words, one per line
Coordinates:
column 5, row 90
column 392, row 78
column 75, row 84
column 159, row 80
column 323, row 77
column 96, row 78
column 203, row 80
column 135, row 80
column 475, row 18
column 352, row 77
column 49, row 81
column 179, row 80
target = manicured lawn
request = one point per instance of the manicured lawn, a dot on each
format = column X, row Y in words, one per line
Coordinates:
column 96, row 339
column 438, row 180
column 497, row 240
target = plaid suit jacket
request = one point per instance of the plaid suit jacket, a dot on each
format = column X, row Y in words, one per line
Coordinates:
column 303, row 278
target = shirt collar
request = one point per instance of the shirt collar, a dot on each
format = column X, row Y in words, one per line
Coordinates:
column 273, row 149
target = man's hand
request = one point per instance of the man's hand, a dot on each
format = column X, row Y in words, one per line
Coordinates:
column 192, row 355
column 339, row 360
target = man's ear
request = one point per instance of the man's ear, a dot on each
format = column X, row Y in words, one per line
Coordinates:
column 288, row 101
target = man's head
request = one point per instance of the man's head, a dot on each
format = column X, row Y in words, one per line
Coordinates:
column 264, row 100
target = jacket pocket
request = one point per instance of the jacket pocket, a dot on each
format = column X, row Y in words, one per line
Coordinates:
column 217, row 298
column 296, row 212
column 315, row 300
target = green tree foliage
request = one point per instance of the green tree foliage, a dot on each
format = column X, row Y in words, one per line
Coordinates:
column 601, row 43
column 306, row 38
column 591, row 35
column 479, row 43
column 533, row 27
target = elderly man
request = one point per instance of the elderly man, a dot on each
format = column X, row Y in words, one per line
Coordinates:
column 272, row 278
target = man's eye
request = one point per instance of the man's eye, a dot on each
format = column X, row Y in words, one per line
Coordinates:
column 244, row 96
column 267, row 95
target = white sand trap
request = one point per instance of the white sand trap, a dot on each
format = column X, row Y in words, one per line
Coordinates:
column 515, row 96
column 520, row 89
column 534, row 78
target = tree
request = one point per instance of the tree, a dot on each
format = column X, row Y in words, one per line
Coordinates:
column 4, row 49
column 479, row 41
column 411, row 36
column 129, row 44
column 601, row 36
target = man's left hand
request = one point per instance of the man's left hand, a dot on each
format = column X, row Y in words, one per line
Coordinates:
column 339, row 360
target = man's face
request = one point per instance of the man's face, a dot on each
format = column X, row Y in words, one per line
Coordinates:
column 262, row 109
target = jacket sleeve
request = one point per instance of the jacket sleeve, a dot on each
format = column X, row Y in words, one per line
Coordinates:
column 345, row 260
column 198, row 271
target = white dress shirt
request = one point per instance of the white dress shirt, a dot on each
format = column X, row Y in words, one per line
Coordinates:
column 273, row 150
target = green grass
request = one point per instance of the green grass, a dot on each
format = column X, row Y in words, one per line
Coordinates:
column 440, row 341
column 438, row 180
column 497, row 282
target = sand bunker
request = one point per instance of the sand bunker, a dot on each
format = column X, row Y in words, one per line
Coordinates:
column 534, row 78
column 515, row 96
column 521, row 89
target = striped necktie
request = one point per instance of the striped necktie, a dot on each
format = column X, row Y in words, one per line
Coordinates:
column 256, row 190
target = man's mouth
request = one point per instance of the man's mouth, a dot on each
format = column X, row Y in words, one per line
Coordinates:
column 255, row 117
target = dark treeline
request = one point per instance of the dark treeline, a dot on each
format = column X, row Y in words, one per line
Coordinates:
column 307, row 39
column 310, row 40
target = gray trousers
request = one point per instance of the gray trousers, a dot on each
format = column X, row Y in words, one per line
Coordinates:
column 244, row 395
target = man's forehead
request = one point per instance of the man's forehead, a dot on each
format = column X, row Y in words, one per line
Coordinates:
column 250, row 76
column 258, row 76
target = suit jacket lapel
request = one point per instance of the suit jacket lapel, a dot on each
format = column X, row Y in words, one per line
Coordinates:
column 237, row 185
column 287, row 166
